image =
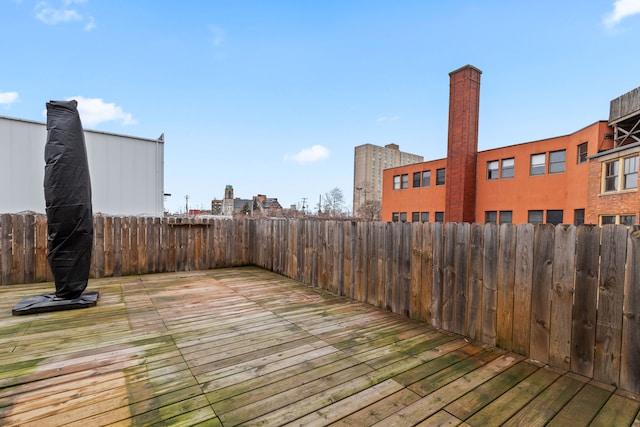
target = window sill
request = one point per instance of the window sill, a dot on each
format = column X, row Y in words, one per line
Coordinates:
column 617, row 193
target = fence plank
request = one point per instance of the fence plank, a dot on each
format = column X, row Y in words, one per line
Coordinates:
column 541, row 291
column 108, row 246
column 562, row 296
column 29, row 248
column 158, row 248
column 126, row 246
column 415, row 308
column 522, row 289
column 98, row 246
column 585, row 300
column 460, row 277
column 42, row 272
column 372, row 263
column 381, row 263
column 506, row 283
column 426, row 276
column 405, row 270
column 438, row 273
column 133, row 245
column 321, row 244
column 630, row 357
column 449, row 271
column 17, row 238
column 293, row 248
column 613, row 252
column 117, row 246
column 490, row 281
column 153, row 245
column 474, row 290
column 5, row 249
column 388, row 265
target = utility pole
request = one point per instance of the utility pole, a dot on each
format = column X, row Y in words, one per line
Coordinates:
column 186, row 205
column 304, row 205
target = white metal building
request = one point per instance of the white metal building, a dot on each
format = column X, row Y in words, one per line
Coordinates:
column 127, row 173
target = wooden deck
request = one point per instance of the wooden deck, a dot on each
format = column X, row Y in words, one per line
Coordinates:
column 244, row 346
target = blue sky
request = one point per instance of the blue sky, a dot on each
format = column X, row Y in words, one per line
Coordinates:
column 272, row 96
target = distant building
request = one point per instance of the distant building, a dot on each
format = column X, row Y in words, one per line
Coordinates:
column 269, row 205
column 260, row 204
column 588, row 176
column 127, row 172
column 369, row 162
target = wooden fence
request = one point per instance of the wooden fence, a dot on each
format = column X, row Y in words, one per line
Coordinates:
column 125, row 246
column 566, row 296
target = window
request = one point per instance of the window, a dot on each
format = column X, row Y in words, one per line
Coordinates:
column 440, row 173
column 403, row 217
column 394, row 217
column 425, row 216
column 416, row 179
column 630, row 173
column 538, row 164
column 506, row 217
column 582, row 153
column 578, row 217
column 396, row 182
column 490, row 216
column 535, row 217
column 426, row 178
column 557, row 161
column 508, row 168
column 554, row 217
column 492, row 170
column 439, row 216
column 611, row 176
column 405, row 181
column 415, row 216
column 628, row 220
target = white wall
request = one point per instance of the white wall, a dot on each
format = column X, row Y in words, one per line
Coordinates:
column 127, row 173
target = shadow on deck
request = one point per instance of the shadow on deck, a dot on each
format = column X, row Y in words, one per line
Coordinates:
column 247, row 346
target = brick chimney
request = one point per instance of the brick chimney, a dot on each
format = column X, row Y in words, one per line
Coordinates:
column 462, row 148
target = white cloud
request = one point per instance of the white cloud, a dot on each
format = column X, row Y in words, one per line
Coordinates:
column 94, row 111
column 622, row 9
column 309, row 155
column 8, row 97
column 52, row 15
column 90, row 25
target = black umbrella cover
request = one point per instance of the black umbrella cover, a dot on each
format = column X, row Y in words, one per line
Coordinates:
column 67, row 193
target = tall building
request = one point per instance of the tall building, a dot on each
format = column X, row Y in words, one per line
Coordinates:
column 369, row 162
column 588, row 176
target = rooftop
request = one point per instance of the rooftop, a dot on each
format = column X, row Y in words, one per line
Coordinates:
column 247, row 346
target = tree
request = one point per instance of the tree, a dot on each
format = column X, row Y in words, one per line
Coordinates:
column 334, row 205
column 371, row 211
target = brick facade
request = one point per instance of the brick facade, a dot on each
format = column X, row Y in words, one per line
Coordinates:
column 611, row 203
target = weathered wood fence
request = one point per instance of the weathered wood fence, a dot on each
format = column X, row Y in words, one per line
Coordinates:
column 125, row 246
column 566, row 296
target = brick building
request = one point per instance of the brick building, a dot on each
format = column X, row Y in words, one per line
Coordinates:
column 588, row 176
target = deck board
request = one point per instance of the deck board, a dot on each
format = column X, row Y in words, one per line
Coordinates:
column 244, row 346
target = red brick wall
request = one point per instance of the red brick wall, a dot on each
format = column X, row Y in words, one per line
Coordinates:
column 462, row 149
column 610, row 203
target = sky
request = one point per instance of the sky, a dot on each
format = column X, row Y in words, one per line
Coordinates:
column 272, row 96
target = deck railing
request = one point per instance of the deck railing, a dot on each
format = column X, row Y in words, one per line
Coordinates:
column 563, row 295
